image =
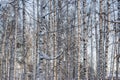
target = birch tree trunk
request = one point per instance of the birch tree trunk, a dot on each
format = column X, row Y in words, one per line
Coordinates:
column 85, row 67
column 4, row 54
column 16, row 26
column 34, row 45
column 50, row 42
column 107, row 39
column 118, row 54
column 24, row 42
column 92, row 55
column 59, row 33
column 68, row 43
column 101, row 54
column 65, row 56
column 38, row 66
column 79, row 31
column 12, row 54
column 55, row 42
column 96, row 41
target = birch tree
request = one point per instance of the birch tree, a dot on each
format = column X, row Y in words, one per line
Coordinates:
column 59, row 39
column 54, row 41
column 85, row 42
column 117, row 59
column 107, row 38
column 101, row 55
column 24, row 41
column 79, row 23
column 16, row 27
column 3, row 51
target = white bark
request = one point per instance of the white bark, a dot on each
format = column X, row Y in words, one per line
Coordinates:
column 79, row 23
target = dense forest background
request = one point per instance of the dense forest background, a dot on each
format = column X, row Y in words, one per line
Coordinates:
column 59, row 39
